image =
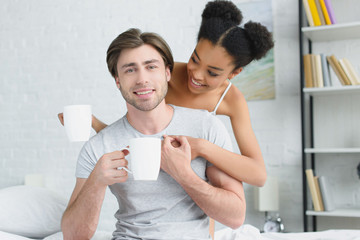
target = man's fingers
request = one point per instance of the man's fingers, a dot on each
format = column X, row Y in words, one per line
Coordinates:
column 118, row 163
column 116, row 155
column 118, row 174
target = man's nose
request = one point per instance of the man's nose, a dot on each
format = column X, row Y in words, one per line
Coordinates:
column 142, row 77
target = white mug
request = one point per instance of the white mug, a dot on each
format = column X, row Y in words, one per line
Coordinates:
column 77, row 122
column 145, row 158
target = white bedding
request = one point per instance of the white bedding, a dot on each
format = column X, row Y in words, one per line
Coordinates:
column 246, row 232
column 28, row 213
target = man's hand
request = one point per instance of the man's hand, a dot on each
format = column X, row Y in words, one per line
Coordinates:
column 175, row 155
column 106, row 170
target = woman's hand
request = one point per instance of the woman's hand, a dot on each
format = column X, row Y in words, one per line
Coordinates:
column 61, row 118
column 195, row 144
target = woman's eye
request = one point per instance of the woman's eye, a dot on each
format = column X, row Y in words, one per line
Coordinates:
column 213, row 74
column 193, row 59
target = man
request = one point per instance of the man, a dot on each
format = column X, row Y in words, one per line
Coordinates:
column 178, row 204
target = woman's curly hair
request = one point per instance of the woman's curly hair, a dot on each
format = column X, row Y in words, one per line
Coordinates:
column 220, row 25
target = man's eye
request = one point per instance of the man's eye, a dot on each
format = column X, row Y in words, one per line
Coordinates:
column 130, row 70
column 152, row 67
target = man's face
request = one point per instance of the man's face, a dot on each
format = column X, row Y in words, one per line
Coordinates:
column 142, row 77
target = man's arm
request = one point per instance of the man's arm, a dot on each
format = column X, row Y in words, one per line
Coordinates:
column 81, row 217
column 223, row 201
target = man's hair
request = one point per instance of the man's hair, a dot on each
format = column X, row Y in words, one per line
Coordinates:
column 134, row 38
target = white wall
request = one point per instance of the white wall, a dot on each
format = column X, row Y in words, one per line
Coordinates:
column 52, row 53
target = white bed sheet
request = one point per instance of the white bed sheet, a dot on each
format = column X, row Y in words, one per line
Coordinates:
column 322, row 235
column 245, row 232
column 249, row 232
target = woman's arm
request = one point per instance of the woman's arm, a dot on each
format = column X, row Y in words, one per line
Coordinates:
column 248, row 166
column 96, row 124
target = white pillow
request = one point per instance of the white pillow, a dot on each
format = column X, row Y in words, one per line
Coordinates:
column 9, row 236
column 32, row 212
column 99, row 235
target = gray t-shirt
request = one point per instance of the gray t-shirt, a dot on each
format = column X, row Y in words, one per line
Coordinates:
column 156, row 209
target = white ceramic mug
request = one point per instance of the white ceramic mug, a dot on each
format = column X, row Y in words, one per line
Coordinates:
column 77, row 122
column 144, row 158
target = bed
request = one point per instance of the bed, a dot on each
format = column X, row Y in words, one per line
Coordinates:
column 31, row 212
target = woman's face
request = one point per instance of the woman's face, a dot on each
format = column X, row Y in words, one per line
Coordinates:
column 208, row 67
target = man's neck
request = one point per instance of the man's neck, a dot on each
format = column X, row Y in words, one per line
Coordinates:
column 150, row 122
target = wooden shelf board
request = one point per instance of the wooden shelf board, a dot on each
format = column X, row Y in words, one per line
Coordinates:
column 332, row 150
column 332, row 90
column 354, row 212
column 341, row 31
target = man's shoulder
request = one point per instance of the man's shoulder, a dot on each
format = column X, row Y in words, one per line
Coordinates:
column 192, row 111
column 109, row 130
column 197, row 116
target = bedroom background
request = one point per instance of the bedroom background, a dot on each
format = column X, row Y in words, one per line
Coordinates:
column 52, row 54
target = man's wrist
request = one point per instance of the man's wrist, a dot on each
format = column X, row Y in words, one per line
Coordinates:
column 186, row 177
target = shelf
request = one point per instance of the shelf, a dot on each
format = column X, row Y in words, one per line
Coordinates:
column 341, row 31
column 354, row 212
column 332, row 150
column 332, row 90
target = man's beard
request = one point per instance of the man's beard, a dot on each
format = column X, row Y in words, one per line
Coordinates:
column 148, row 104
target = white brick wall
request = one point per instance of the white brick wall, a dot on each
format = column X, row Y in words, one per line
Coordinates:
column 52, row 53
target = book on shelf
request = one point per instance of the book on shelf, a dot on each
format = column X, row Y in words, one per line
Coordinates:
column 319, row 81
column 319, row 12
column 313, row 70
column 308, row 13
column 313, row 192
column 349, row 71
column 330, row 11
column 314, row 13
column 326, row 193
column 325, row 71
column 325, row 12
column 317, row 71
column 336, row 67
column 307, row 71
column 317, row 188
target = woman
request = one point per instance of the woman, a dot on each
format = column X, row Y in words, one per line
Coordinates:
column 223, row 49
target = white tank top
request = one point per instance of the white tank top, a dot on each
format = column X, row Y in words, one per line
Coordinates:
column 222, row 97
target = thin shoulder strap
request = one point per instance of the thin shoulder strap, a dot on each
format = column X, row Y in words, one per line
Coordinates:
column 222, row 97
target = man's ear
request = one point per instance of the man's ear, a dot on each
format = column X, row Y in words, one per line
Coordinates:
column 117, row 82
column 235, row 73
column 168, row 74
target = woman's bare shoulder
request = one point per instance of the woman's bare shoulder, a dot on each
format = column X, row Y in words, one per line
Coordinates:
column 235, row 102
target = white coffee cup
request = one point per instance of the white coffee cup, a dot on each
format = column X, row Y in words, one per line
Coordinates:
column 77, row 122
column 144, row 158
